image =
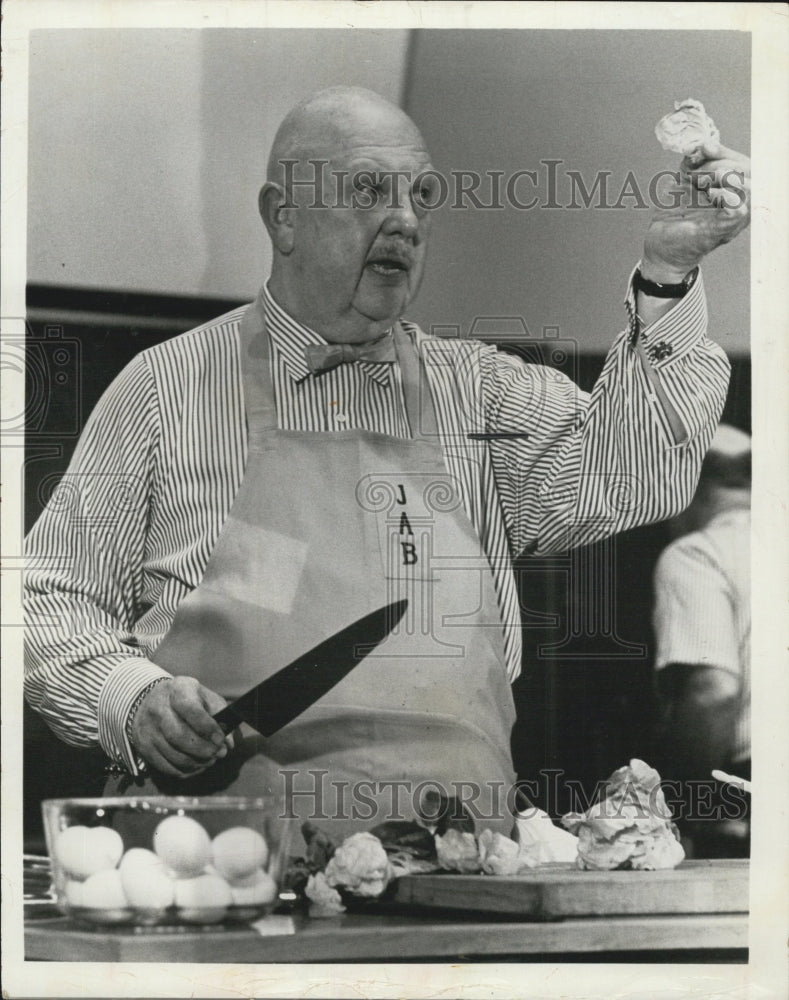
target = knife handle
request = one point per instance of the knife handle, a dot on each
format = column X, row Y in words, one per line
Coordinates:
column 228, row 719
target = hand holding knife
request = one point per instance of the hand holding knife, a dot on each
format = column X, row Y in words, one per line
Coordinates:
column 181, row 727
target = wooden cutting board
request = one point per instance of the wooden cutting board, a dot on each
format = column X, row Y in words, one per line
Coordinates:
column 557, row 891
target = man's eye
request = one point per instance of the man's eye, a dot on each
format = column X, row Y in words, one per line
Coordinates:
column 425, row 194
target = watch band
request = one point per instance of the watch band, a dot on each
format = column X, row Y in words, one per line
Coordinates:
column 659, row 290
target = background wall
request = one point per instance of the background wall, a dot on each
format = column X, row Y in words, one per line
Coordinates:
column 505, row 100
column 148, row 148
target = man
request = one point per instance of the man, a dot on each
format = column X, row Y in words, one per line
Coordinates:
column 702, row 624
column 277, row 494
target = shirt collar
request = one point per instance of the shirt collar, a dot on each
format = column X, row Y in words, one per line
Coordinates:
column 291, row 337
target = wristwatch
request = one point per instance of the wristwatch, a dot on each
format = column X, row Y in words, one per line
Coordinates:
column 659, row 290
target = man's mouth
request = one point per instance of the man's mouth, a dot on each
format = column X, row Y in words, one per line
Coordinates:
column 389, row 265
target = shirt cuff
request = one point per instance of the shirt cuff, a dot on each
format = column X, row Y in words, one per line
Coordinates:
column 676, row 332
column 120, row 691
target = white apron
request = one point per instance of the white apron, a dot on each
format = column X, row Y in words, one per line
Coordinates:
column 326, row 527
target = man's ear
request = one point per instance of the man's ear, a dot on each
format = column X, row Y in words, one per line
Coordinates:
column 277, row 213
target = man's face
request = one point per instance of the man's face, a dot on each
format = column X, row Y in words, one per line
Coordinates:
column 357, row 263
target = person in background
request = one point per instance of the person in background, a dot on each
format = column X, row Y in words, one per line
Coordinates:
column 702, row 622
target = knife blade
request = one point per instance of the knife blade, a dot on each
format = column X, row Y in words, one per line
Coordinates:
column 276, row 701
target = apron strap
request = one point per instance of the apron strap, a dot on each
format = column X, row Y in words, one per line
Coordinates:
column 259, row 401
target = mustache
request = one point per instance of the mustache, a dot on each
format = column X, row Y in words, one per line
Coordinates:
column 393, row 253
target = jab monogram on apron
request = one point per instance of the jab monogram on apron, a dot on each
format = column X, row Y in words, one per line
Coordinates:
column 326, row 527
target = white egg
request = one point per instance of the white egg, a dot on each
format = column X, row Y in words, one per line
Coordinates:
column 258, row 889
column 183, row 845
column 145, row 880
column 107, row 844
column 71, row 850
column 238, row 852
column 139, row 858
column 83, row 850
column 74, row 893
column 104, row 891
column 202, row 900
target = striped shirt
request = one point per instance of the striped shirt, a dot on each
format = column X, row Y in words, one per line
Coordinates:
column 703, row 607
column 128, row 533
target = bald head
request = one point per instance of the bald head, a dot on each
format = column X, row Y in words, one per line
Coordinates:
column 331, row 120
column 345, row 207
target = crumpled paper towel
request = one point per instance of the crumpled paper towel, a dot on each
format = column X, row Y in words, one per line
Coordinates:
column 541, row 839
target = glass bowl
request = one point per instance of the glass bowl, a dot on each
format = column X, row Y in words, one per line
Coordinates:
column 167, row 861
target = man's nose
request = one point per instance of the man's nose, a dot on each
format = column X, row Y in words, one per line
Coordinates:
column 401, row 218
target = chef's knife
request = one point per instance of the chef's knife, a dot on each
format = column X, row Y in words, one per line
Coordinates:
column 276, row 701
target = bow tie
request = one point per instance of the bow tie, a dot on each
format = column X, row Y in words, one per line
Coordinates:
column 324, row 357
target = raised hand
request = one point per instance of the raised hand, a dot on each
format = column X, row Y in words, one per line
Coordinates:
column 710, row 206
